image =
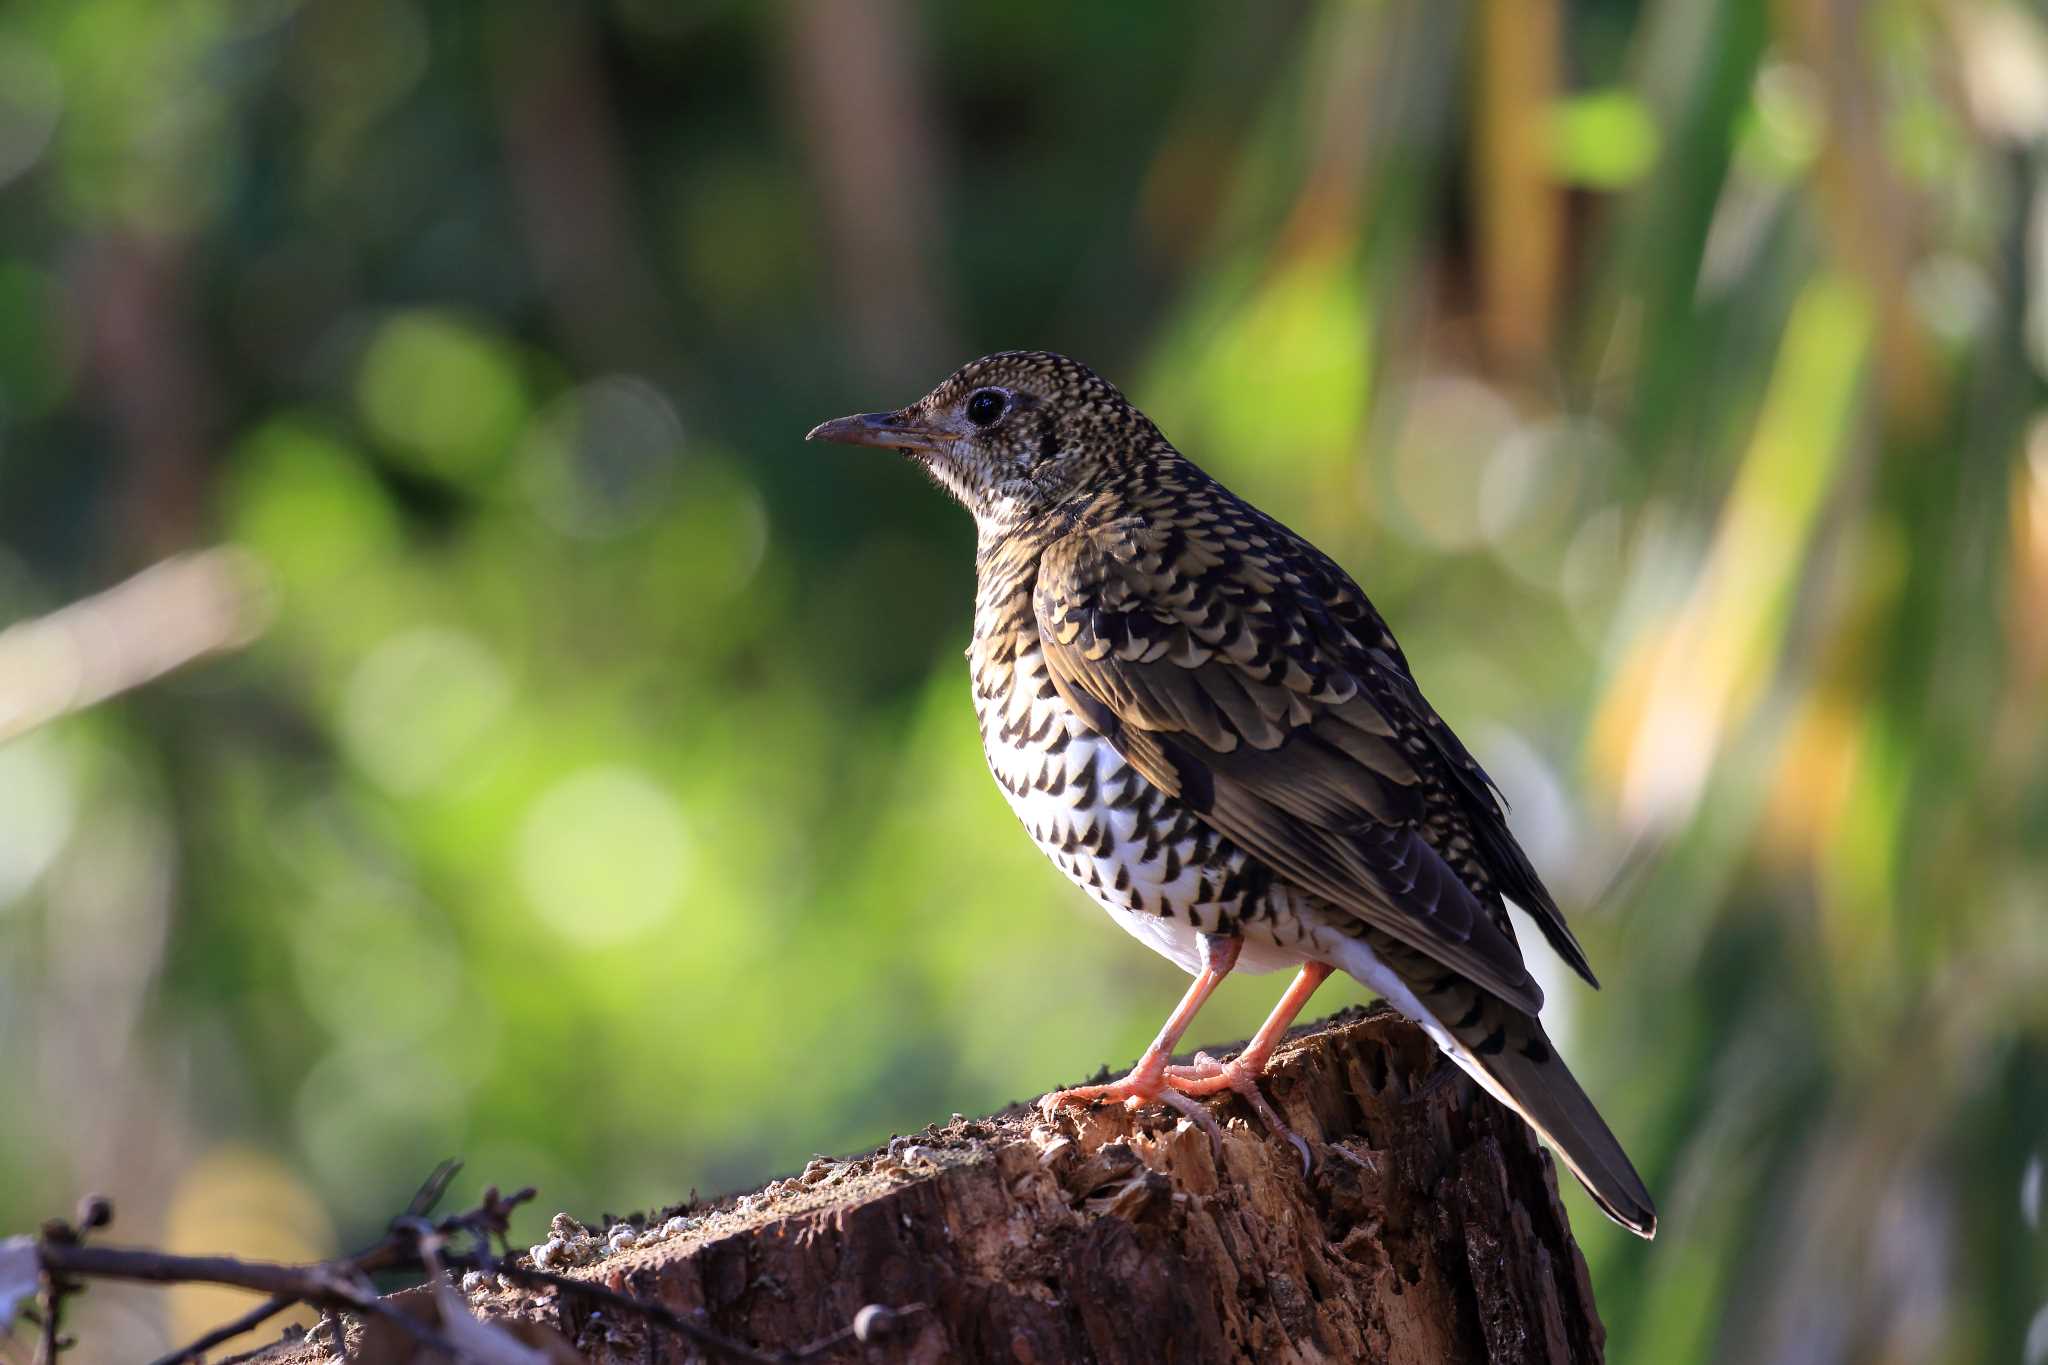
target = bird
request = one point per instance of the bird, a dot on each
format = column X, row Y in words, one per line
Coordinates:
column 1205, row 723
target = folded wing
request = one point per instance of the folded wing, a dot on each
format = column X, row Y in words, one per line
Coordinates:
column 1260, row 688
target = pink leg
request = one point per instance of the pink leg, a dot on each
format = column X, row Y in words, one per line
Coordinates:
column 1208, row 1078
column 1146, row 1083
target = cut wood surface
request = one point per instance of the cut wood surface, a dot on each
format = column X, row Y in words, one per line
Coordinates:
column 1429, row 1231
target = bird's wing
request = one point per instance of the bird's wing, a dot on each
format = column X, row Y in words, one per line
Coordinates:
column 1476, row 798
column 1204, row 652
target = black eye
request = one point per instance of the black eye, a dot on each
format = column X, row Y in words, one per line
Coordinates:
column 985, row 406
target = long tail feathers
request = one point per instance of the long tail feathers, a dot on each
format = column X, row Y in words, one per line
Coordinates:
column 1508, row 1053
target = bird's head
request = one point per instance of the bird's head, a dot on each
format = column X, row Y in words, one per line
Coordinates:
column 1012, row 435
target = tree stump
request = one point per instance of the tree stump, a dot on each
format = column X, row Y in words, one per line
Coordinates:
column 1429, row 1231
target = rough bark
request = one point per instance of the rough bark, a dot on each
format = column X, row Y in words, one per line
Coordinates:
column 1430, row 1231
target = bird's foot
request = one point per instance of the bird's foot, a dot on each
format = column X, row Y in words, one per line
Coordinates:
column 1147, row 1084
column 1203, row 1076
column 1207, row 1076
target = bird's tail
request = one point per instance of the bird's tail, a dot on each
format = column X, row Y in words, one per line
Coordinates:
column 1508, row 1053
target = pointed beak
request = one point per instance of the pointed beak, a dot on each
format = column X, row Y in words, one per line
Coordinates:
column 888, row 430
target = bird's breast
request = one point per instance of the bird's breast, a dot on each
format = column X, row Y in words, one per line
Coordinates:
column 1160, row 871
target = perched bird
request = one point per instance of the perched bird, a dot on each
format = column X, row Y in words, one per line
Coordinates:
column 1204, row 722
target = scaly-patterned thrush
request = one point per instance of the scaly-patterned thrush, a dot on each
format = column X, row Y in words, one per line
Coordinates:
column 1204, row 722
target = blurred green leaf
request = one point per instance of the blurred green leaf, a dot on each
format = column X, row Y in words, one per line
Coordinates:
column 443, row 395
column 1603, row 139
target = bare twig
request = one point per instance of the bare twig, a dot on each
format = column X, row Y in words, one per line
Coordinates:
column 228, row 1331
column 95, row 1211
column 324, row 1282
column 382, row 1256
column 436, row 1184
column 51, row 1343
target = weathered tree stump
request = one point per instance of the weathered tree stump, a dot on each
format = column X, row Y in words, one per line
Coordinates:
column 1430, row 1231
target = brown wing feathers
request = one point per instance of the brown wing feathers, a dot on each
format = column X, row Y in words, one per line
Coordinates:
column 1211, row 673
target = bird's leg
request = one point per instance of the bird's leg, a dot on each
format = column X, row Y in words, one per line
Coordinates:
column 1146, row 1083
column 1208, row 1075
column 1241, row 1073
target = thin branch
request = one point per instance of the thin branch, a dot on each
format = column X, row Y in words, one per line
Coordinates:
column 50, row 1343
column 228, row 1331
column 95, row 1211
column 436, row 1184
column 326, row 1284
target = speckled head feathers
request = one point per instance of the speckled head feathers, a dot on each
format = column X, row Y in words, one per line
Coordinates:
column 1013, row 435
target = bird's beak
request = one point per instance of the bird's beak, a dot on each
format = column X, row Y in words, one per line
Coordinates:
column 888, row 430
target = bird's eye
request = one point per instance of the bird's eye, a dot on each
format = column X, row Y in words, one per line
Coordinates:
column 985, row 406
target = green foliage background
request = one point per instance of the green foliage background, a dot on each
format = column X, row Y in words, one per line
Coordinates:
column 602, row 800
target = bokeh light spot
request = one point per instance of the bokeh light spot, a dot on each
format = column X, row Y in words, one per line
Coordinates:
column 1448, row 438
column 308, row 505
column 1590, row 571
column 420, row 704
column 31, row 97
column 1786, row 122
column 376, row 962
column 1953, row 294
column 714, row 543
column 247, row 1199
column 1273, row 383
column 604, row 855
column 1531, row 495
column 37, row 806
column 601, row 460
column 351, row 62
column 443, row 395
column 1602, row 139
column 734, row 234
column 366, row 1114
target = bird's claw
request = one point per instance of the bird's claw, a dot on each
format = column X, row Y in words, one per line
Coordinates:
column 1198, row 1114
column 1206, row 1076
column 1134, row 1092
column 1177, row 1087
